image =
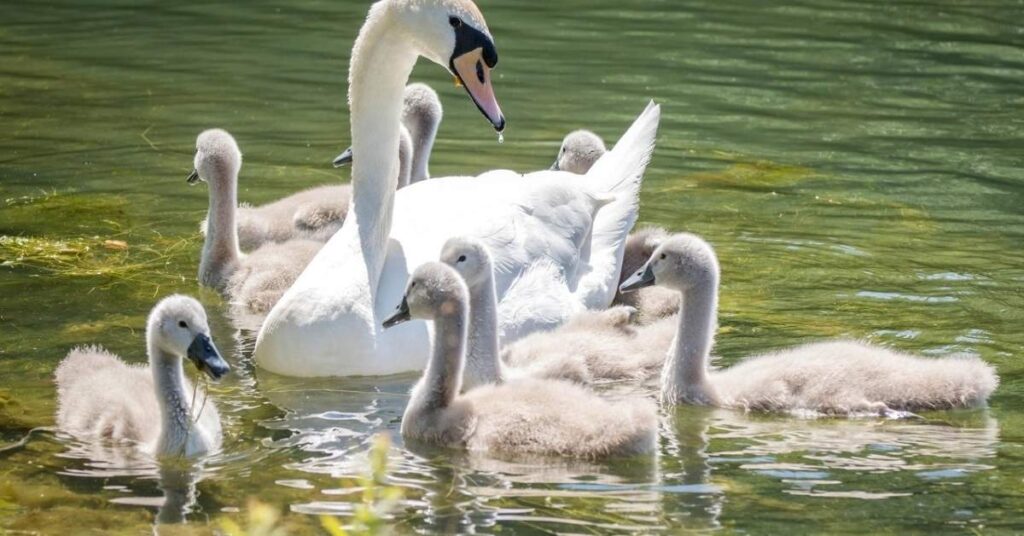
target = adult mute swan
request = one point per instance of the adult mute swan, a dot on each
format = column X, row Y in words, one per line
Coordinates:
column 839, row 377
column 526, row 416
column 328, row 323
column 100, row 397
column 317, row 213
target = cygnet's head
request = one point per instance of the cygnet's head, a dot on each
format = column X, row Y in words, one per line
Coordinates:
column 405, row 153
column 580, row 149
column 640, row 245
column 683, row 262
column 218, row 158
column 470, row 258
column 421, row 105
column 435, row 290
column 453, row 34
column 178, row 327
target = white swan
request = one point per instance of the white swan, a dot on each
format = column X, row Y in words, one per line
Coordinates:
column 100, row 397
column 528, row 416
column 328, row 322
column 469, row 257
column 317, row 213
column 842, row 377
column 253, row 282
column 580, row 150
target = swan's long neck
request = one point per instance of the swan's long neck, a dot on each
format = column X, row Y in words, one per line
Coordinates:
column 174, row 401
column 483, row 364
column 685, row 376
column 220, row 250
column 423, row 128
column 444, row 371
column 381, row 63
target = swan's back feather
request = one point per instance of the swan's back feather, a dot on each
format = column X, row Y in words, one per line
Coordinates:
column 266, row 274
column 543, row 417
column 601, row 342
column 313, row 214
column 101, row 397
column 845, row 377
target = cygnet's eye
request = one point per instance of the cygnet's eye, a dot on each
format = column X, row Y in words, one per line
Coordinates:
column 455, row 22
column 462, row 258
column 182, row 324
column 412, row 285
column 663, row 256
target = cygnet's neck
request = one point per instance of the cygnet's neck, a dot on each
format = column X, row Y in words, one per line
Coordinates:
column 685, row 376
column 382, row 60
column 483, row 364
column 443, row 377
column 171, row 395
column 422, row 127
column 220, row 250
column 405, row 157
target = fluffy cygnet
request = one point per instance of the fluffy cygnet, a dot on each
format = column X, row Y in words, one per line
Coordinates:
column 522, row 417
column 100, row 397
column 253, row 282
column 839, row 377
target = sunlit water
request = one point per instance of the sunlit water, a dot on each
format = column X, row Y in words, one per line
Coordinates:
column 858, row 166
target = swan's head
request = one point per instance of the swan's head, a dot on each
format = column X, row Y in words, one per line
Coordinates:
column 434, row 291
column 217, row 157
column 470, row 259
column 580, row 149
column 178, row 326
column 421, row 106
column 453, row 34
column 683, row 262
column 405, row 150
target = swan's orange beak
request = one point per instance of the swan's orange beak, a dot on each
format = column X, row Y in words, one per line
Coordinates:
column 475, row 75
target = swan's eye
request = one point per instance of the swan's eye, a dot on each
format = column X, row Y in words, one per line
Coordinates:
column 462, row 258
column 663, row 256
column 412, row 285
column 455, row 22
column 182, row 324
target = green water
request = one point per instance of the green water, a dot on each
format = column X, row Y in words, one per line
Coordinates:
column 857, row 165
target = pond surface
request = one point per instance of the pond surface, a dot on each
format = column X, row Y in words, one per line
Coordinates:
column 859, row 167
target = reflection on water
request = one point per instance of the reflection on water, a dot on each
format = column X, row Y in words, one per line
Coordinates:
column 857, row 165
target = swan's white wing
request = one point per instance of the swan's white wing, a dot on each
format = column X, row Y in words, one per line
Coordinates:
column 539, row 300
column 541, row 219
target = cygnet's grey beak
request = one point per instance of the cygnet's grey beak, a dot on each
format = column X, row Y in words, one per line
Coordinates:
column 193, row 177
column 207, row 359
column 401, row 315
column 344, row 158
column 555, row 166
column 644, row 277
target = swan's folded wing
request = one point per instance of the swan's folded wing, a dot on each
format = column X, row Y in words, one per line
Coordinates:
column 539, row 300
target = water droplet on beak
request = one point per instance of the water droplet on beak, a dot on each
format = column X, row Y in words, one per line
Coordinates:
column 501, row 137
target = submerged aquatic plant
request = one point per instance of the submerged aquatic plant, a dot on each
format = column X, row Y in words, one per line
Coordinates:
column 379, row 498
column 370, row 515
